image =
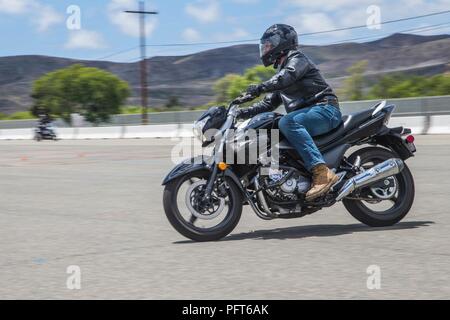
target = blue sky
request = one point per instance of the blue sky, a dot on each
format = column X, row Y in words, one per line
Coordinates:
column 40, row 27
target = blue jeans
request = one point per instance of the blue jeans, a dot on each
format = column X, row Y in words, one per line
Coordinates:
column 300, row 126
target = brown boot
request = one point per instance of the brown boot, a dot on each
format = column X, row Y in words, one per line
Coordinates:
column 323, row 179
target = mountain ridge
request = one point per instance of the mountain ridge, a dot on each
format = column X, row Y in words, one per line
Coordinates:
column 190, row 77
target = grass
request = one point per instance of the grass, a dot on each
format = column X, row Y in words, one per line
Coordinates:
column 26, row 115
column 21, row 115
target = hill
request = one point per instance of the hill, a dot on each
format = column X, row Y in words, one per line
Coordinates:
column 190, row 77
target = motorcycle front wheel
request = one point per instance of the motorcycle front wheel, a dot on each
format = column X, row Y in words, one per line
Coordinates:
column 197, row 219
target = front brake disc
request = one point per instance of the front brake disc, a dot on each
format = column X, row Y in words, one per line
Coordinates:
column 191, row 196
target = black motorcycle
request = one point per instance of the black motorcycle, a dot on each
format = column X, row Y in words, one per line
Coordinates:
column 45, row 132
column 204, row 196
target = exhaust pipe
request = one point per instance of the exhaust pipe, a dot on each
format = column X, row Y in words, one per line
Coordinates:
column 379, row 172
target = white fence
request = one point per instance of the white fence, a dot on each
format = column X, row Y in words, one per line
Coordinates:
column 418, row 124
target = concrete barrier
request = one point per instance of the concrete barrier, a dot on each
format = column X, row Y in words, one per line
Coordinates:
column 151, row 131
column 416, row 124
column 66, row 133
column 99, row 133
column 16, row 134
column 185, row 130
column 439, row 125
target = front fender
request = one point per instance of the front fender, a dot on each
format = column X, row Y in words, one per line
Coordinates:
column 187, row 166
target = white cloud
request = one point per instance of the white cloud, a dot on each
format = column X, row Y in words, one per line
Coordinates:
column 236, row 34
column 46, row 18
column 42, row 16
column 327, row 5
column 245, row 1
column 14, row 6
column 191, row 35
column 128, row 23
column 204, row 11
column 311, row 22
column 85, row 39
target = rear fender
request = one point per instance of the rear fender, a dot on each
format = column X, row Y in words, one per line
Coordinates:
column 392, row 138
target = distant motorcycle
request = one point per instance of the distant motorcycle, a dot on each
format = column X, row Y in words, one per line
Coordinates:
column 203, row 199
column 45, row 132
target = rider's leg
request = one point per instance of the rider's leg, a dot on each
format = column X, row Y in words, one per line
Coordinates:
column 299, row 127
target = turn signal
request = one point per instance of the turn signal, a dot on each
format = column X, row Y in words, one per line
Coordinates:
column 222, row 166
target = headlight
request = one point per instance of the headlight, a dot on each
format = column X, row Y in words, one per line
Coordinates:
column 198, row 128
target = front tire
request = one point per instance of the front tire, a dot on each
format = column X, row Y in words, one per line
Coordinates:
column 402, row 201
column 188, row 228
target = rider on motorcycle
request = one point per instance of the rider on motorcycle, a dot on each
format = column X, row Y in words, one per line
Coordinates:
column 45, row 119
column 299, row 78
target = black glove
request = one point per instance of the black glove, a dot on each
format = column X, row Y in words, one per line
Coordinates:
column 243, row 113
column 255, row 89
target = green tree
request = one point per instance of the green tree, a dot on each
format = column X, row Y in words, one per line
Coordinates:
column 403, row 86
column 354, row 84
column 232, row 85
column 222, row 85
column 94, row 93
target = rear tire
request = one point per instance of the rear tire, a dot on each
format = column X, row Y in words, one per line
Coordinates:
column 405, row 196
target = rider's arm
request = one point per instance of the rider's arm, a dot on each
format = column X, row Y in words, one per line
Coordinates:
column 269, row 103
column 295, row 69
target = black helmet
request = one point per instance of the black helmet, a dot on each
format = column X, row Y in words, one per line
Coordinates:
column 276, row 41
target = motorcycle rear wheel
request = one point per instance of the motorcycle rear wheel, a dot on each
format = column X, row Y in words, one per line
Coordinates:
column 402, row 200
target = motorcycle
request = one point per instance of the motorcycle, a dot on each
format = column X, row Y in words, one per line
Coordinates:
column 204, row 196
column 45, row 132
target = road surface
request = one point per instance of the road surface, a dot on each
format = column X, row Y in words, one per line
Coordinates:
column 97, row 205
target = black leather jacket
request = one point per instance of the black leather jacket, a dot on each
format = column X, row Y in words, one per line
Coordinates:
column 298, row 77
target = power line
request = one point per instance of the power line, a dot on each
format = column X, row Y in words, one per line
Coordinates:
column 381, row 23
column 300, row 34
column 416, row 30
column 117, row 53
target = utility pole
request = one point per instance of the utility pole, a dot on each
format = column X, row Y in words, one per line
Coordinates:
column 143, row 65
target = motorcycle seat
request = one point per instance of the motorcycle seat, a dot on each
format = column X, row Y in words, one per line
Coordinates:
column 348, row 123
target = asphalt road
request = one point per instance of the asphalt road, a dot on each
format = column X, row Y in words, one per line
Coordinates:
column 98, row 205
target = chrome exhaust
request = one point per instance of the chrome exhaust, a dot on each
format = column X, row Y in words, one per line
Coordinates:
column 379, row 172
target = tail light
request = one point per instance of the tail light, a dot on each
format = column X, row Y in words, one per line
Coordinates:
column 410, row 139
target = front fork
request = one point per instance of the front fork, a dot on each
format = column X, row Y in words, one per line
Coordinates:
column 211, row 181
column 218, row 156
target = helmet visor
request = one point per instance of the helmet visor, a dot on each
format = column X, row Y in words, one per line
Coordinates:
column 268, row 44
